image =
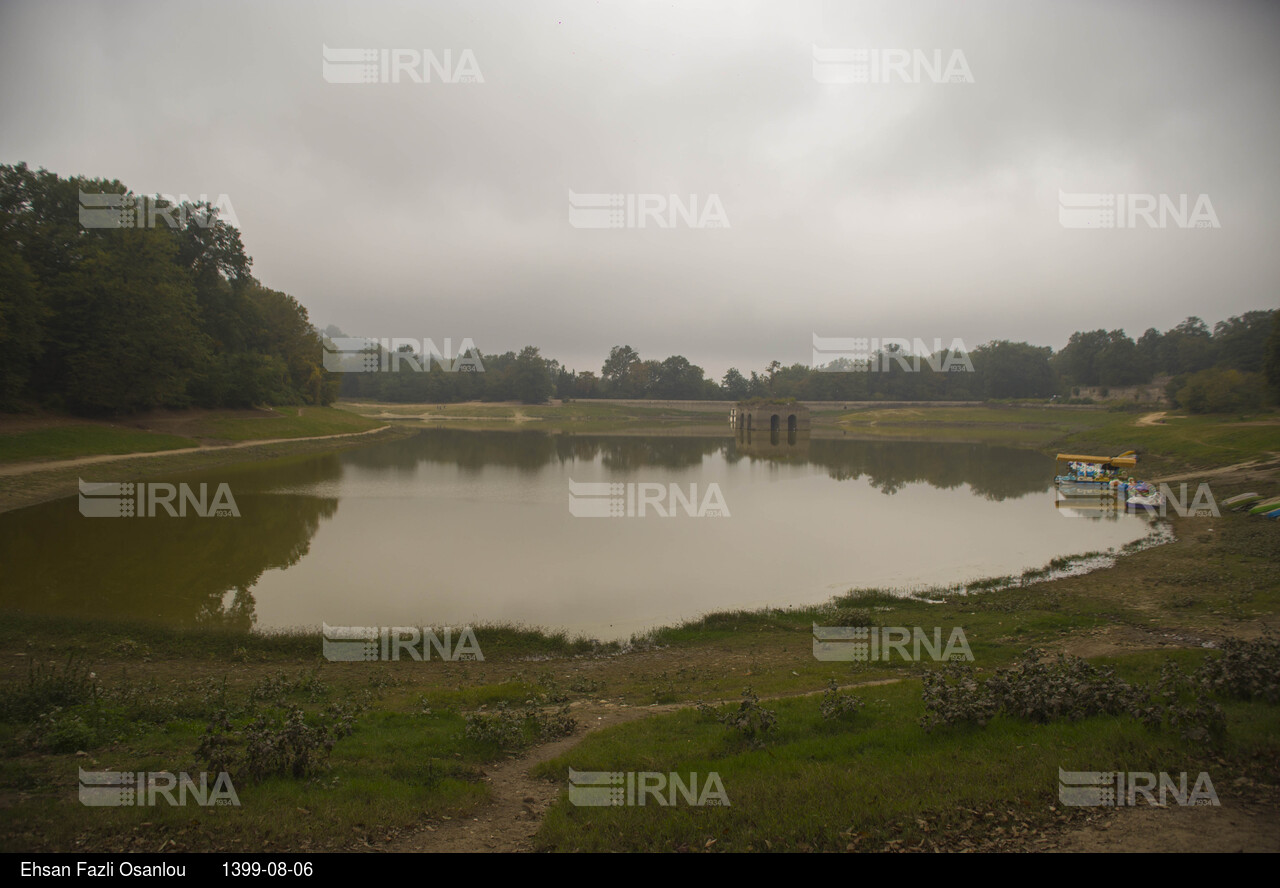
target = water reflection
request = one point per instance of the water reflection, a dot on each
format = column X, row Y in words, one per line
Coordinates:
column 775, row 444
column 181, row 571
column 993, row 472
column 451, row 524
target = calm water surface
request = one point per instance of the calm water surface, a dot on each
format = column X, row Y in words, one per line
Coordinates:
column 450, row 527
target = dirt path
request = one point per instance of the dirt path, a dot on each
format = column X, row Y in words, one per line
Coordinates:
column 26, row 468
column 1236, row 826
column 1258, row 469
column 519, row 800
column 1151, row 419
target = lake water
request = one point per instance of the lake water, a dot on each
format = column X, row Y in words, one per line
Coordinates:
column 451, row 527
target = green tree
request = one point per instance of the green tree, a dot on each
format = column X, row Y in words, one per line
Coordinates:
column 530, row 378
column 1272, row 360
column 734, row 384
column 125, row 335
column 1241, row 342
column 618, row 369
column 1220, row 390
column 1013, row 370
column 22, row 317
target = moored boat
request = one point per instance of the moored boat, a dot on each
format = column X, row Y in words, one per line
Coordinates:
column 1093, row 471
column 1242, row 501
column 1151, row 501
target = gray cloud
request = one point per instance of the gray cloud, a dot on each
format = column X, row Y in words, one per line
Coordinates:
column 855, row 209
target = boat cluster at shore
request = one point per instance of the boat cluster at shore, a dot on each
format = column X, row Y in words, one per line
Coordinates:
column 1103, row 477
column 1106, row 481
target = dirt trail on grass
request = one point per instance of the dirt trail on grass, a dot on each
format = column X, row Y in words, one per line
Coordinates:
column 1257, row 469
column 518, row 800
column 1245, row 822
column 26, row 468
column 1150, row 419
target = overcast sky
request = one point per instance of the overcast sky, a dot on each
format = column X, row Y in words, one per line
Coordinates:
column 917, row 209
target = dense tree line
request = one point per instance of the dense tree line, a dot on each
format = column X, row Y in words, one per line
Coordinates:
column 159, row 314
column 112, row 320
column 1228, row 370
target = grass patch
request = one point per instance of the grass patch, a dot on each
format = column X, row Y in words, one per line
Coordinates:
column 282, row 422
column 71, row 441
column 873, row 780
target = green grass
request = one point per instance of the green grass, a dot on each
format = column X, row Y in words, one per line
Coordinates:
column 283, row 422
column 97, row 638
column 69, row 442
column 1201, row 441
column 874, row 777
column 84, row 439
column 577, row 416
column 394, row 770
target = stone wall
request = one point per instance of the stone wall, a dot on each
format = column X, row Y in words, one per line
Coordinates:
column 789, row 417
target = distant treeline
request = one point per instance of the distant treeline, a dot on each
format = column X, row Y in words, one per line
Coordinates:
column 1229, row 368
column 116, row 320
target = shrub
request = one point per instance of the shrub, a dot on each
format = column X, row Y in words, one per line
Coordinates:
column 48, row 686
column 835, row 704
column 750, row 719
column 1247, row 670
column 513, row 729
column 275, row 743
column 59, row 731
column 963, row 700
column 1072, row 688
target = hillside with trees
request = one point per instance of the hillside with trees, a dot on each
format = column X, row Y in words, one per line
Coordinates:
column 103, row 321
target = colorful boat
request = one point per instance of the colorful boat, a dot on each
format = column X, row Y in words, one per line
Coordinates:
column 1075, row 489
column 1242, row 501
column 1264, row 508
column 1094, row 471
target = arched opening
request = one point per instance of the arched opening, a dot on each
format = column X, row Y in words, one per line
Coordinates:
column 791, row 423
column 749, row 425
column 774, row 423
